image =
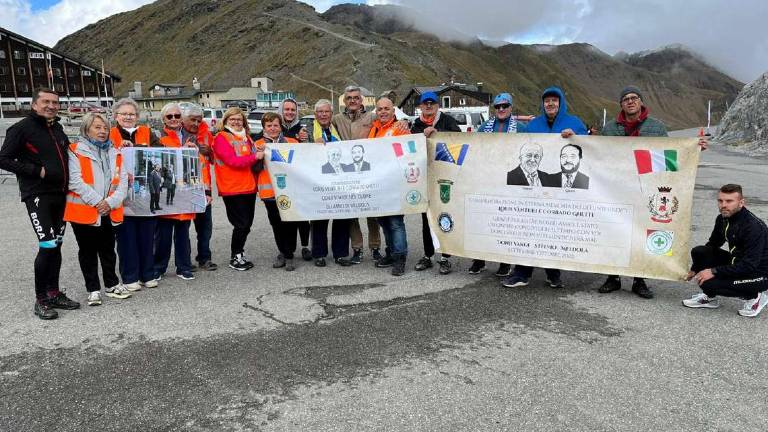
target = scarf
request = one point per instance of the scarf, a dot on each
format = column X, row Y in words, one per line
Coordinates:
column 432, row 122
column 632, row 128
column 102, row 145
column 490, row 125
column 318, row 131
column 240, row 134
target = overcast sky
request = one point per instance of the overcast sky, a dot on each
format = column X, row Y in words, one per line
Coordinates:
column 731, row 35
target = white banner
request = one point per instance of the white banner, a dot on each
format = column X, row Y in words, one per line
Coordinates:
column 349, row 179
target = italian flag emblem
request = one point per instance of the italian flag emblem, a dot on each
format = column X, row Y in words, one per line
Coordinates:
column 652, row 161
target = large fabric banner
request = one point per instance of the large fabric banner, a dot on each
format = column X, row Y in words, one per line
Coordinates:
column 596, row 204
column 163, row 181
column 349, row 179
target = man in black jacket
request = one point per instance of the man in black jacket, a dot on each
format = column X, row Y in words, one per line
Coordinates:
column 742, row 270
column 35, row 149
column 431, row 120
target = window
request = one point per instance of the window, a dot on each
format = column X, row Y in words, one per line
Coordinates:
column 3, row 70
column 59, row 88
column 2, row 54
column 21, row 71
column 57, row 72
column 446, row 101
column 4, row 87
column 38, row 71
column 72, row 72
column 75, row 87
column 86, row 73
column 18, row 55
column 463, row 101
column 23, row 87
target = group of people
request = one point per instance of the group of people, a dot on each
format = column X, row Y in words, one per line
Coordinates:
column 84, row 183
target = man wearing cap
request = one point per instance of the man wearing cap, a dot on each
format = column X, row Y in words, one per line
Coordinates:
column 502, row 122
column 633, row 120
column 554, row 118
column 430, row 121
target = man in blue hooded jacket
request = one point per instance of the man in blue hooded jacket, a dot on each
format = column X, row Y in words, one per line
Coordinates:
column 554, row 118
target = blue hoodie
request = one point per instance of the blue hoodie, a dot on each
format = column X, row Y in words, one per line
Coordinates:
column 563, row 120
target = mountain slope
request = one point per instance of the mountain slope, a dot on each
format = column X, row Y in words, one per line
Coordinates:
column 224, row 43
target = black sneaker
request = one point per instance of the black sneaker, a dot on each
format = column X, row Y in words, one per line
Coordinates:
column 398, row 266
column 289, row 264
column 45, row 312
column 613, row 283
column 343, row 262
column 476, row 267
column 357, row 257
column 445, row 266
column 208, row 266
column 320, row 262
column 423, row 264
column 376, row 255
column 555, row 283
column 279, row 261
column 503, row 270
column 385, row 262
column 61, row 301
column 239, row 263
column 641, row 289
column 306, row 254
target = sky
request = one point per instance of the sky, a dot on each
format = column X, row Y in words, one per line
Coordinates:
column 730, row 35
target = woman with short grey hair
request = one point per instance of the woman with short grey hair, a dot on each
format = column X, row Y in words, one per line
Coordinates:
column 97, row 185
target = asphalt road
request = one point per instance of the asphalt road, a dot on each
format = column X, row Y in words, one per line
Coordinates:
column 347, row 349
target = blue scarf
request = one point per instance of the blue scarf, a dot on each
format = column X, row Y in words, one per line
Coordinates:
column 102, row 145
column 490, row 125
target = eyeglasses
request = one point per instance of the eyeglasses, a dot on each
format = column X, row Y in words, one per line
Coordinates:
column 126, row 114
column 502, row 106
column 234, row 119
column 630, row 99
column 173, row 116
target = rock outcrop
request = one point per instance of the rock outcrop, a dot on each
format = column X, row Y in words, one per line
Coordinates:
column 746, row 122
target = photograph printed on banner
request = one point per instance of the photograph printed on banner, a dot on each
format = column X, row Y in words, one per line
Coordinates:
column 163, row 181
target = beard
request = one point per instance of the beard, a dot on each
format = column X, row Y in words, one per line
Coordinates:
column 569, row 168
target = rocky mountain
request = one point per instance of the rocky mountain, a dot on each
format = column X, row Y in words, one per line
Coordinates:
column 224, row 43
column 746, row 121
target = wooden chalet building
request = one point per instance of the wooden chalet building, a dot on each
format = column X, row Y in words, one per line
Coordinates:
column 450, row 95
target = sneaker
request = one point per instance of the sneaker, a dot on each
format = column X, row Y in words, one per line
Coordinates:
column 45, row 312
column 279, row 261
column 753, row 307
column 385, row 262
column 306, row 254
column 238, row 263
column 702, row 300
column 376, row 255
column 357, row 256
column 423, row 264
column 118, row 291
column 555, row 283
column 320, row 262
column 343, row 262
column 503, row 270
column 515, row 281
column 445, row 266
column 135, row 286
column 208, row 266
column 398, row 266
column 152, row 283
column 193, row 268
column 641, row 289
column 94, row 298
column 613, row 283
column 185, row 275
column 248, row 263
column 289, row 265
column 61, row 301
column 477, row 266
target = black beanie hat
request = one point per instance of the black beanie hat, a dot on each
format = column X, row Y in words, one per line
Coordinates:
column 630, row 89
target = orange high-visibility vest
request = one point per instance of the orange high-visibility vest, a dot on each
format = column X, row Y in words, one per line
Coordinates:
column 264, row 183
column 379, row 130
column 231, row 180
column 77, row 210
column 142, row 137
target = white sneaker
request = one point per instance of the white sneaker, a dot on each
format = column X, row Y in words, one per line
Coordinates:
column 753, row 307
column 94, row 298
column 133, row 286
column 150, row 283
column 118, row 291
column 702, row 300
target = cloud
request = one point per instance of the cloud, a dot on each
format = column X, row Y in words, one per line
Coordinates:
column 65, row 17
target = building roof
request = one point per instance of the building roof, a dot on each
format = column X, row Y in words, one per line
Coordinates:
column 173, row 85
column 59, row 53
column 241, row 93
column 467, row 90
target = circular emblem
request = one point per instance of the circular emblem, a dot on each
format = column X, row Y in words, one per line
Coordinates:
column 659, row 242
column 446, row 222
column 283, row 202
column 413, row 197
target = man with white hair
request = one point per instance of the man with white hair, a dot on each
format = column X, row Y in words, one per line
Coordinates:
column 195, row 130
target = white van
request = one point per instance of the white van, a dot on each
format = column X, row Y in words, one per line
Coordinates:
column 213, row 116
column 468, row 121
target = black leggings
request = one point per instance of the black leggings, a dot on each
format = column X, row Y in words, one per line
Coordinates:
column 96, row 244
column 240, row 210
column 747, row 287
column 426, row 236
column 46, row 213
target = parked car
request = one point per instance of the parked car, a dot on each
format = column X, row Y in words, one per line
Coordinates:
column 254, row 121
column 212, row 116
column 307, row 121
column 468, row 121
column 82, row 108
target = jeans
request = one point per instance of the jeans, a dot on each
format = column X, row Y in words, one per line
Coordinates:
column 204, row 230
column 394, row 234
column 135, row 248
column 172, row 232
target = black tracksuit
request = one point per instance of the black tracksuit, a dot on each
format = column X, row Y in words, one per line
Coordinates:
column 30, row 145
column 742, row 270
column 445, row 123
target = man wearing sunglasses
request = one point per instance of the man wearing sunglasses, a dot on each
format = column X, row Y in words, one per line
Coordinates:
column 502, row 122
